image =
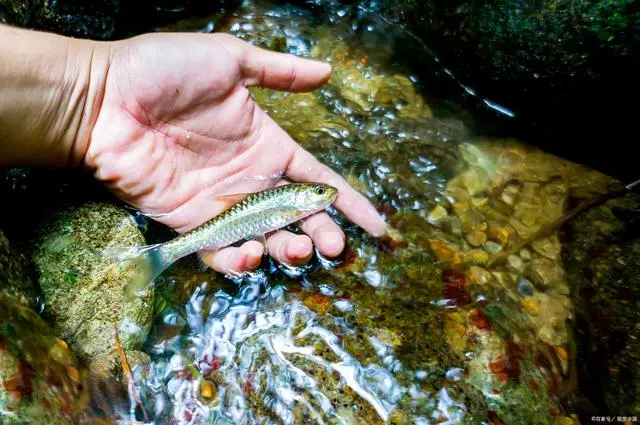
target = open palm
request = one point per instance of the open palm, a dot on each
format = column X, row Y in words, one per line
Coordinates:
column 177, row 127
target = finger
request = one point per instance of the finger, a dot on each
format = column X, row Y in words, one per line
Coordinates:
column 305, row 167
column 325, row 234
column 235, row 260
column 289, row 248
column 280, row 71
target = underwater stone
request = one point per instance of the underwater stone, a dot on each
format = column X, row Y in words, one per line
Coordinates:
column 546, row 273
column 15, row 281
column 39, row 375
column 476, row 238
column 515, row 262
column 492, row 247
column 547, row 247
column 83, row 291
column 525, row 288
column 437, row 215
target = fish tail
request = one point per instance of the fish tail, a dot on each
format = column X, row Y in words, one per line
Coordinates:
column 150, row 261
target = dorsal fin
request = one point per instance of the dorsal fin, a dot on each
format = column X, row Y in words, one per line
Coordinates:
column 230, row 200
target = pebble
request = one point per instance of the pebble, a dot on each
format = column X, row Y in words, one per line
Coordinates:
column 500, row 233
column 547, row 334
column 504, row 278
column 477, row 238
column 515, row 262
column 479, row 276
column 437, row 214
column 479, row 256
column 548, row 247
column 444, row 253
column 545, row 272
column 460, row 207
column 479, row 201
column 531, row 306
column 525, row 254
column 472, row 221
column 208, row 390
column 492, row 247
column 525, row 288
column 475, row 180
column 510, row 194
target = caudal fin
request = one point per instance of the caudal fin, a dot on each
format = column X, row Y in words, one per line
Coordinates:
column 150, row 262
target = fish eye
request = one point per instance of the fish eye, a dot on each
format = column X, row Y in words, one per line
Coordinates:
column 320, row 190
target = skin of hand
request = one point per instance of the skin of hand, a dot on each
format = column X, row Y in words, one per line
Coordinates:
column 168, row 124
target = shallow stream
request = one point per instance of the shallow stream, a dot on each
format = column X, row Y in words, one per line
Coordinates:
column 413, row 328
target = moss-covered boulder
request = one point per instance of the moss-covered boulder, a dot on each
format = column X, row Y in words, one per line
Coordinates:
column 84, row 291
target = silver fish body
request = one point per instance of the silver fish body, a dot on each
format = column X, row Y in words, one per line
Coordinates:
column 255, row 215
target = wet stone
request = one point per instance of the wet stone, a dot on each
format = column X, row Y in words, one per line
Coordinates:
column 525, row 288
column 548, row 247
column 492, row 247
column 510, row 194
column 437, row 215
column 479, row 256
column 525, row 254
column 531, row 306
column 476, row 238
column 515, row 262
column 472, row 221
column 476, row 181
column 546, row 273
column 84, row 291
column 479, row 275
column 15, row 280
column 500, row 233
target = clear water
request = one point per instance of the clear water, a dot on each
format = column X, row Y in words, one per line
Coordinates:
column 414, row 328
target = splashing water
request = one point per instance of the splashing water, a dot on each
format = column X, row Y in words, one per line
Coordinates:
column 269, row 357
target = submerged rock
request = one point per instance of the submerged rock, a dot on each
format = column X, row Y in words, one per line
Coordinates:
column 15, row 281
column 602, row 257
column 83, row 291
column 40, row 379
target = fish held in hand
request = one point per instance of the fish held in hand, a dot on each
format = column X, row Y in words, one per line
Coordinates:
column 252, row 215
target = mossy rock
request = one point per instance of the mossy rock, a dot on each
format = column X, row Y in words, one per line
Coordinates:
column 84, row 291
column 15, row 280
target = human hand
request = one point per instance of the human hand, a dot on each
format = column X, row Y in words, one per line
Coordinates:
column 177, row 127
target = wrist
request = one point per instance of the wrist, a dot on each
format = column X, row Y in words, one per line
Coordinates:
column 51, row 88
column 84, row 77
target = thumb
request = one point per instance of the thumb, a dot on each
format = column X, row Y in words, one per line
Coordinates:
column 274, row 70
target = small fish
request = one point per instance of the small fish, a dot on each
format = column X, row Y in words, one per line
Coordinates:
column 249, row 216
